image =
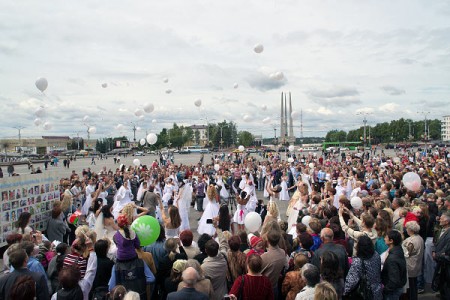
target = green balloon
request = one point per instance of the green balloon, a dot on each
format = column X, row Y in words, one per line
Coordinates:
column 147, row 229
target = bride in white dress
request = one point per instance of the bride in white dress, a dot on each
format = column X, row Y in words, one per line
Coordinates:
column 211, row 212
column 183, row 202
column 122, row 198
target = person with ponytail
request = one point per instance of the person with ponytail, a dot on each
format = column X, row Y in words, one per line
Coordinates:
column 126, row 239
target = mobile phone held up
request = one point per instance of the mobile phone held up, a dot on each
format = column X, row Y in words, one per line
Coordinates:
column 209, row 221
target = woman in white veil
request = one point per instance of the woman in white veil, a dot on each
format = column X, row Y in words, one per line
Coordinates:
column 183, row 201
column 105, row 228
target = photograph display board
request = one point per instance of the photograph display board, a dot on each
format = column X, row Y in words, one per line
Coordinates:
column 34, row 193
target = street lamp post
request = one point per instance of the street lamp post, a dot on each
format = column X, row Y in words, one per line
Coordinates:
column 20, row 137
column 365, row 123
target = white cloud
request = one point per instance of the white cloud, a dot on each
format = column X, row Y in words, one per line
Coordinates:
column 392, row 90
column 389, row 108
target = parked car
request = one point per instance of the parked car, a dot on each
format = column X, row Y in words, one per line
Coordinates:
column 389, row 146
column 184, row 151
column 139, row 153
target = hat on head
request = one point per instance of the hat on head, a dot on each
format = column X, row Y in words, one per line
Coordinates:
column 254, row 240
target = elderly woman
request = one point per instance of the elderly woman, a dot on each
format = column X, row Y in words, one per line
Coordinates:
column 413, row 247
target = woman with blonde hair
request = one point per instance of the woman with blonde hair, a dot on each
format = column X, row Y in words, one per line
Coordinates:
column 130, row 210
column 325, row 291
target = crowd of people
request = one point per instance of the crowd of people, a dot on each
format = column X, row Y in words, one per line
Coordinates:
column 352, row 230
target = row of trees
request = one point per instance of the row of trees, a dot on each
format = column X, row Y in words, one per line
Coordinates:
column 220, row 135
column 390, row 132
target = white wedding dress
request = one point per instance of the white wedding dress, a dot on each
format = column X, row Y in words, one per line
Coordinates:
column 211, row 211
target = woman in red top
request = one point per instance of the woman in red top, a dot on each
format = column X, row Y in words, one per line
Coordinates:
column 254, row 285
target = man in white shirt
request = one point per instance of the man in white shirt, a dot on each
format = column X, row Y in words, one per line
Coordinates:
column 311, row 274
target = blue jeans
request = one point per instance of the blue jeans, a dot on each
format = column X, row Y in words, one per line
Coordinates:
column 394, row 295
column 200, row 203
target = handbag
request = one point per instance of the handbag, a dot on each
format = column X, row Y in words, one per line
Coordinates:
column 363, row 290
column 229, row 276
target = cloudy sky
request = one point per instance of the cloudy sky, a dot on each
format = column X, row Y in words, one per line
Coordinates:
column 386, row 59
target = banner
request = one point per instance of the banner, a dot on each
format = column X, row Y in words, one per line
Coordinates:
column 34, row 193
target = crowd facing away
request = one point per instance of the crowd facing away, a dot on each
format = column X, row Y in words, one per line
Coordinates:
column 354, row 228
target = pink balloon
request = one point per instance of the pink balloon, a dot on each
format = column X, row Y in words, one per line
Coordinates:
column 412, row 181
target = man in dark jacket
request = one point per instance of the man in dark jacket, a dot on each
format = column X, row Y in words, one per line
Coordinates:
column 441, row 253
column 327, row 237
column 394, row 274
column 190, row 277
column 18, row 259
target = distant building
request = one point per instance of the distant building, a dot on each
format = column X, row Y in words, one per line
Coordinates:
column 203, row 133
column 43, row 145
column 445, row 128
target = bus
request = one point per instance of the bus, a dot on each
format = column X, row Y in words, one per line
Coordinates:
column 336, row 145
column 194, row 149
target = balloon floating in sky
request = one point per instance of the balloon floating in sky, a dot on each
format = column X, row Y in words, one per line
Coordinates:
column 148, row 107
column 104, row 85
column 247, row 118
column 142, row 142
column 295, row 114
column 92, row 130
column 138, row 128
column 47, row 126
column 235, row 85
column 166, row 80
column 258, row 48
column 152, row 138
column 154, row 121
column 168, row 91
column 264, row 107
column 86, row 119
column 241, row 148
column 198, row 102
column 266, row 120
column 37, row 121
column 41, row 84
column 412, row 181
column 40, row 112
column 138, row 112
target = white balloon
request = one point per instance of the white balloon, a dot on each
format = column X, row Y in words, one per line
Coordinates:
column 142, row 142
column 92, row 130
column 152, row 138
column 37, row 121
column 306, row 220
column 168, row 91
column 154, row 121
column 290, row 159
column 47, row 125
column 166, row 80
column 295, row 114
column 258, row 48
column 41, row 84
column 235, row 85
column 264, row 107
column 291, row 148
column 120, row 127
column 356, row 202
column 104, row 85
column 252, row 221
column 241, row 148
column 198, row 102
column 149, row 107
column 136, row 162
column 412, row 181
column 86, row 119
column 40, row 112
column 247, row 118
column 311, row 165
column 267, row 120
column 217, row 167
column 138, row 128
column 138, row 112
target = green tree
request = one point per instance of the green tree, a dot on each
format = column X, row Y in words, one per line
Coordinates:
column 336, row 136
column 245, row 138
column 197, row 136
